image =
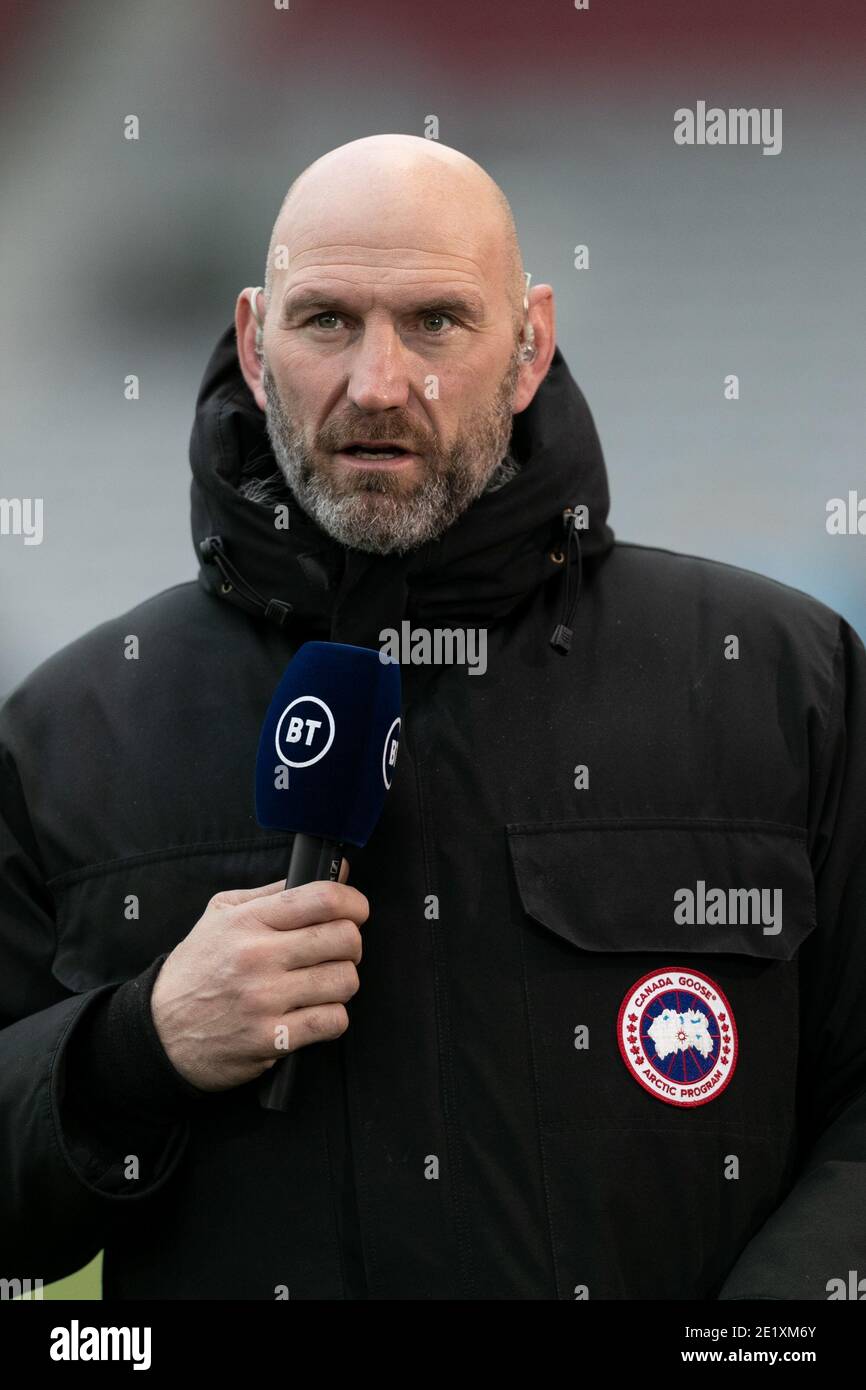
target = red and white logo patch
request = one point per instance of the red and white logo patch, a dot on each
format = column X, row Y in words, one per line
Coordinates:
column 677, row 1036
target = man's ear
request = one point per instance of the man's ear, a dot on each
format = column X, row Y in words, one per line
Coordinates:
column 542, row 317
column 249, row 340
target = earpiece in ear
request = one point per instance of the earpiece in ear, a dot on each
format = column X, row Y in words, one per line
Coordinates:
column 528, row 351
column 252, row 296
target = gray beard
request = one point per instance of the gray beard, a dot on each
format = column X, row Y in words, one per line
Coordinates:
column 378, row 515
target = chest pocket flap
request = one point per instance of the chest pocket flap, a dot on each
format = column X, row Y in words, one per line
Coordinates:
column 711, row 886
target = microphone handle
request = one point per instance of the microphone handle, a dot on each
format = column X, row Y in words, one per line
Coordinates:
column 312, row 860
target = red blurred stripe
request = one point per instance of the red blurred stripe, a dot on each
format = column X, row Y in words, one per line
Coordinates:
column 504, row 38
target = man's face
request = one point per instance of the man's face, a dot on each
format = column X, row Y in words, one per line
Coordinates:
column 390, row 360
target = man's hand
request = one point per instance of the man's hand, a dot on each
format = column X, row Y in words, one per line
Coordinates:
column 259, row 960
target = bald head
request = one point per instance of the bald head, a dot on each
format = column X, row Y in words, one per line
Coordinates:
column 391, row 191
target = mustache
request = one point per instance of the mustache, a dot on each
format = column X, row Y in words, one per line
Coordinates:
column 334, row 436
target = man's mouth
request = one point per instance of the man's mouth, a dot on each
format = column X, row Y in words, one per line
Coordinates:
column 370, row 452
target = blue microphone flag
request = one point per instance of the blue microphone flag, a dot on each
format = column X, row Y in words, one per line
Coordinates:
column 328, row 747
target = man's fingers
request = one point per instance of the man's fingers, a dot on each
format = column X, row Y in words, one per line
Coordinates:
column 232, row 897
column 308, row 905
column 327, row 941
column 326, row 982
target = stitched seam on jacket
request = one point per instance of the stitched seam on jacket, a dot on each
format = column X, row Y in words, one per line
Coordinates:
column 709, row 826
column 156, row 856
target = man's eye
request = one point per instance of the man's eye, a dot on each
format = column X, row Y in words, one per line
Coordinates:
column 326, row 314
column 434, row 314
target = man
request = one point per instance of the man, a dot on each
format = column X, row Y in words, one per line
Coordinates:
column 589, row 1019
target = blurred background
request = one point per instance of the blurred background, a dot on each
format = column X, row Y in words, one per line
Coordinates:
column 126, row 257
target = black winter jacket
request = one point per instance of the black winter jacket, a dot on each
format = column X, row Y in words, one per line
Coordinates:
column 584, row 1059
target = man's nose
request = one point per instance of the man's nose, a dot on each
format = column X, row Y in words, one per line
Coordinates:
column 379, row 377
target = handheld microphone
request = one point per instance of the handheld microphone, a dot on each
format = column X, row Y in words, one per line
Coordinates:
column 326, row 759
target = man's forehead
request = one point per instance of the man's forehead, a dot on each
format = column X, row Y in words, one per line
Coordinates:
column 386, row 274
column 395, row 267
column 399, row 226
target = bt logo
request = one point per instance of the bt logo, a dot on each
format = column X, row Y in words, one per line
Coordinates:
column 305, row 731
column 389, row 753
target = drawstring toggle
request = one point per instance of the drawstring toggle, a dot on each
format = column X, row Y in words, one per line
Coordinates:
column 563, row 632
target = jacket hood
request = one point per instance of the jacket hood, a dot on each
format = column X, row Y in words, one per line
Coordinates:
column 506, row 544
